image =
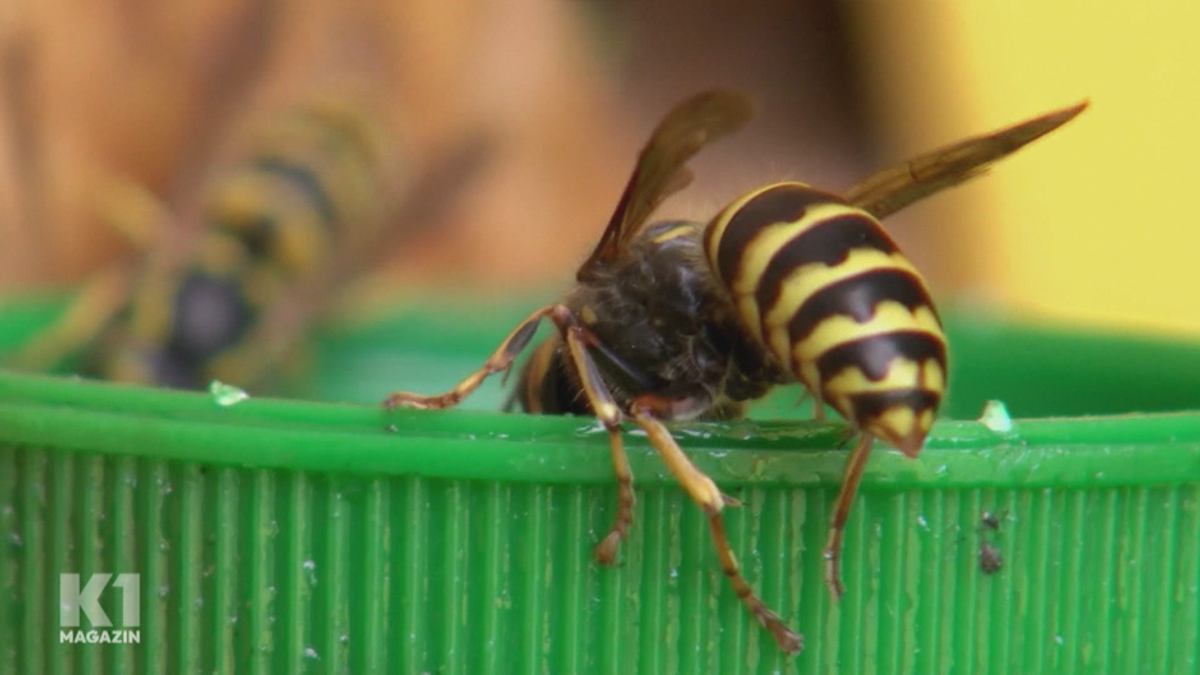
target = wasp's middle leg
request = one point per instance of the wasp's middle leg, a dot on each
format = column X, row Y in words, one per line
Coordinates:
column 600, row 398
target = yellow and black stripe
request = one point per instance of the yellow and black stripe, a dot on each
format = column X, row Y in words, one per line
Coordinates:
column 310, row 180
column 314, row 177
column 832, row 298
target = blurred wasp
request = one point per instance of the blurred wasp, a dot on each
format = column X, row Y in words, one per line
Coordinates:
column 280, row 228
column 678, row 320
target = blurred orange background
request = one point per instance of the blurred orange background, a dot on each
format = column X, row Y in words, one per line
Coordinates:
column 1087, row 225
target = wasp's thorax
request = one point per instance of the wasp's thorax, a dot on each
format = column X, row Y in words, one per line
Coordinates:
column 666, row 328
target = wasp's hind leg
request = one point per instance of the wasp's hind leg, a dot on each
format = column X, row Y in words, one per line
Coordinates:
column 647, row 412
column 841, row 513
column 499, row 361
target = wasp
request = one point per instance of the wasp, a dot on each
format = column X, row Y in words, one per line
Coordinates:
column 306, row 199
column 681, row 320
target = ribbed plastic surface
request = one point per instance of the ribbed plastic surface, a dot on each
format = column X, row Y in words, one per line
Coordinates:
column 289, row 537
column 338, row 555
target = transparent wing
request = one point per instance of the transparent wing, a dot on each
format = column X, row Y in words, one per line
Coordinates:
column 661, row 171
column 894, row 188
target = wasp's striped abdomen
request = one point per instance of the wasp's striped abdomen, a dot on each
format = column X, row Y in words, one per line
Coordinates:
column 830, row 296
column 313, row 178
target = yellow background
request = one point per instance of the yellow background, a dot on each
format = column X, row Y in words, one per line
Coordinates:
column 1094, row 223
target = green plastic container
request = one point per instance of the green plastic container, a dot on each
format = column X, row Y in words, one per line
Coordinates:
column 285, row 536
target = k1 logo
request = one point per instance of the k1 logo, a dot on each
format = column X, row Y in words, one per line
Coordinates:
column 73, row 599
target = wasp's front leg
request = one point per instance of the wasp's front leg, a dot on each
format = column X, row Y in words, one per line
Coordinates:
column 500, row 360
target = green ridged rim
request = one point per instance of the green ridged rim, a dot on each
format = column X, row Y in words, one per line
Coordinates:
column 143, row 422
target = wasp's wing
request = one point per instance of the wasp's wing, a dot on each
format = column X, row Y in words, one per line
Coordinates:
column 895, row 188
column 660, row 169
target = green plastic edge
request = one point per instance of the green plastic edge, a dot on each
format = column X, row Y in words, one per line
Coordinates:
column 43, row 411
